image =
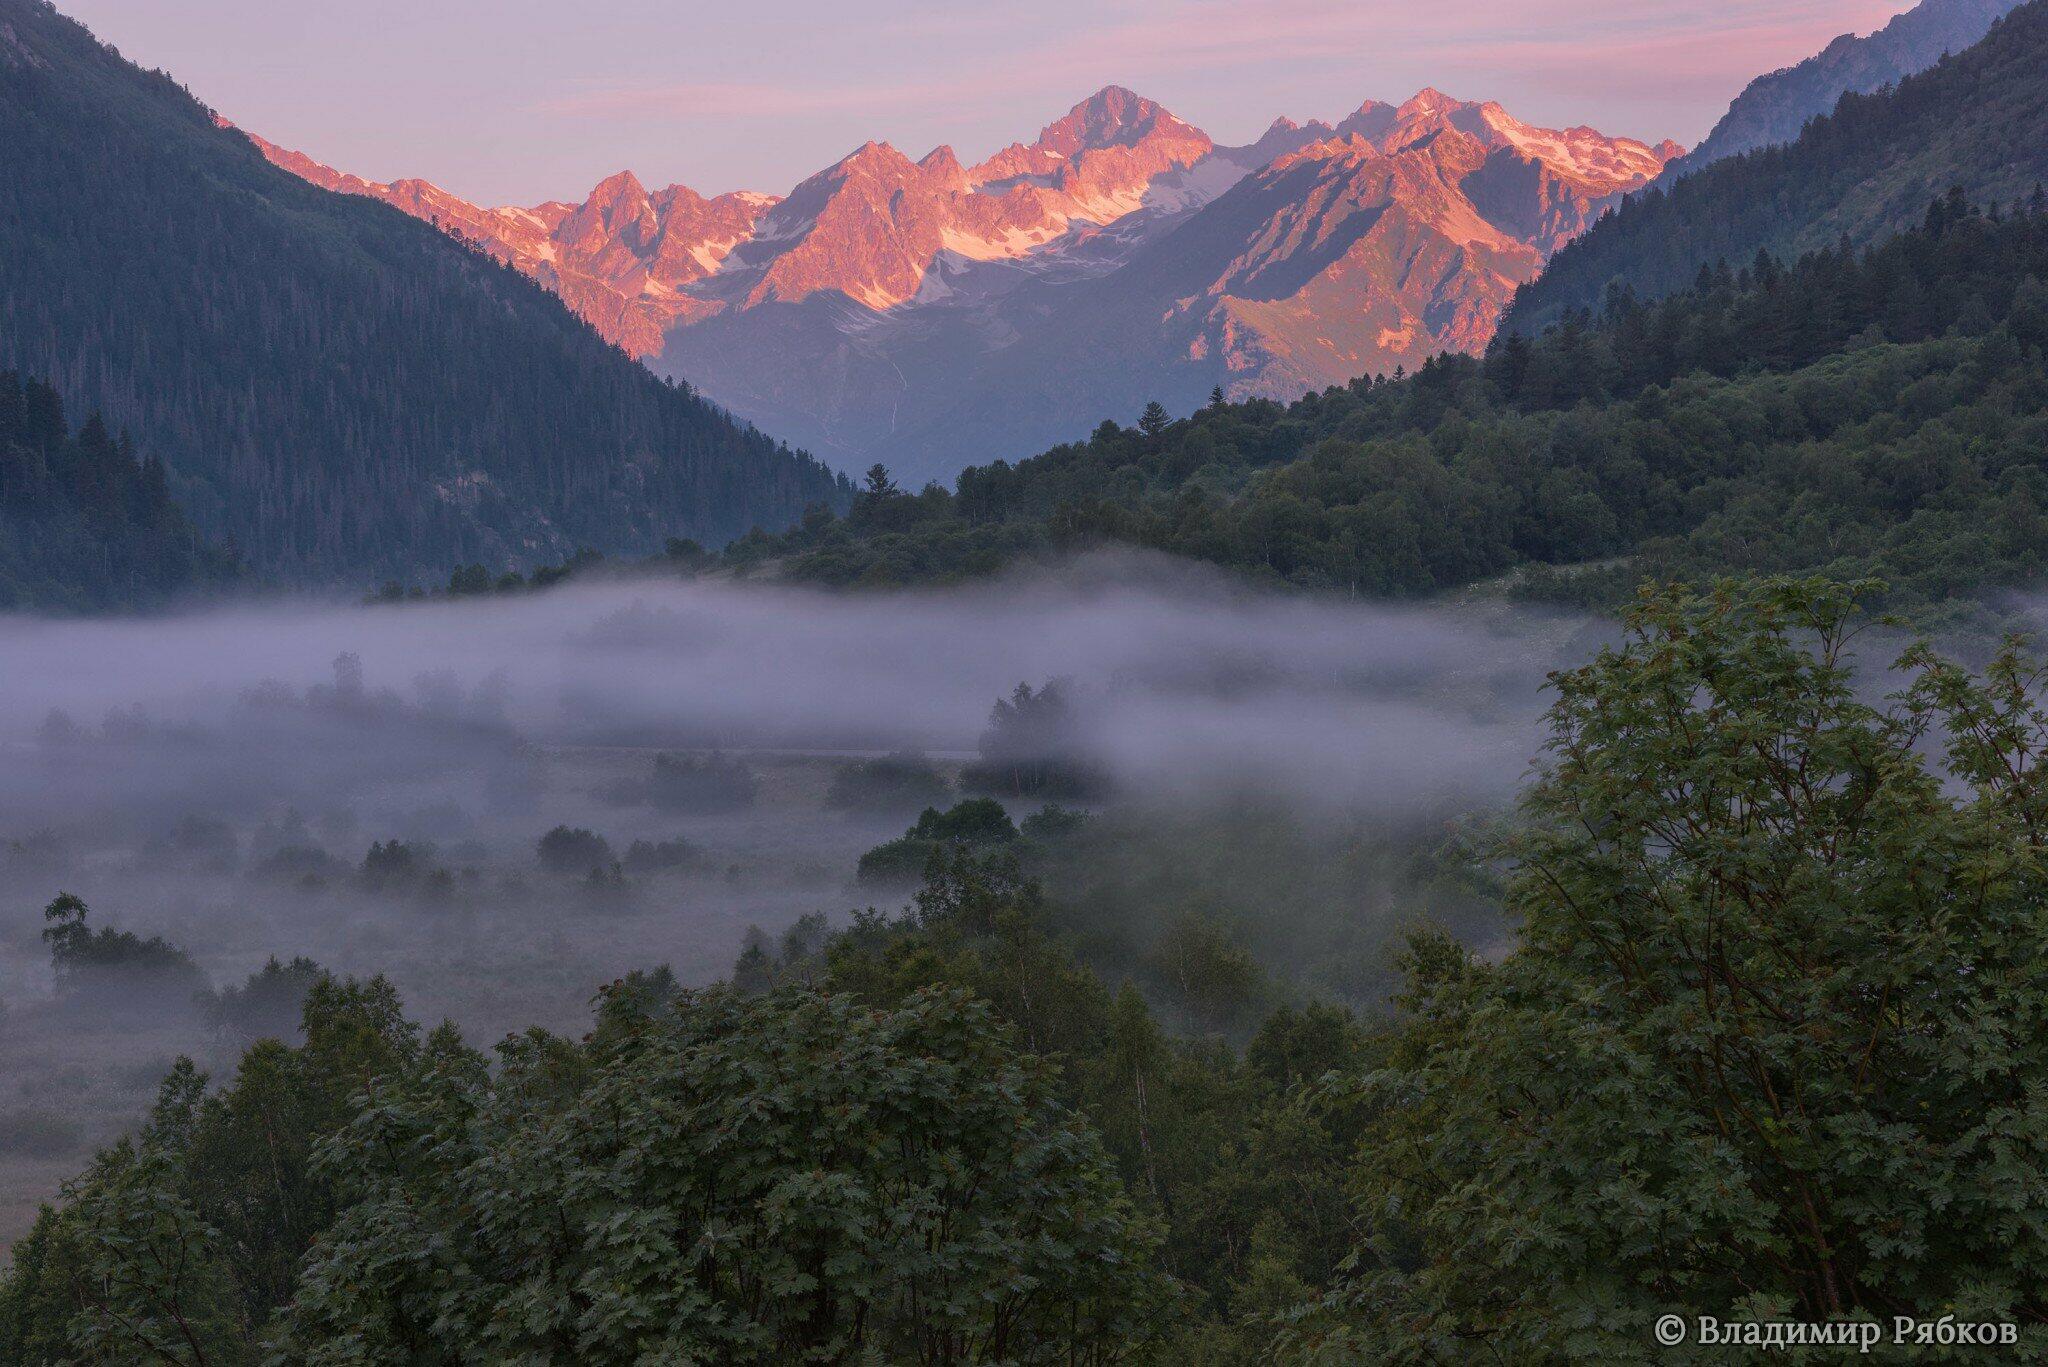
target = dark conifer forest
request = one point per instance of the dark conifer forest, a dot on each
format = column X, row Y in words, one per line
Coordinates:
column 342, row 391
column 1975, row 120
column 85, row 521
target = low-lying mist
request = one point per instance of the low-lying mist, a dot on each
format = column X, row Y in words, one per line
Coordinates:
column 1190, row 682
column 367, row 786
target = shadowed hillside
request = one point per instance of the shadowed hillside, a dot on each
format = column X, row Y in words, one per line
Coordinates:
column 340, row 389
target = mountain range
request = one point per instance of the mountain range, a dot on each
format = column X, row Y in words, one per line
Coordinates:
column 932, row 314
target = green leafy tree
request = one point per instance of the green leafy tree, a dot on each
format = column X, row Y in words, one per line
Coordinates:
column 116, row 966
column 573, row 850
column 978, row 823
column 1774, row 1040
column 179, row 1244
column 149, row 1277
column 783, row 1177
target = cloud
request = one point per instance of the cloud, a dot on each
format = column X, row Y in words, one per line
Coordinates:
column 1196, row 685
column 1586, row 56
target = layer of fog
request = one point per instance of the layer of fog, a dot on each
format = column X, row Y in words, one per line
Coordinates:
column 183, row 773
column 1190, row 684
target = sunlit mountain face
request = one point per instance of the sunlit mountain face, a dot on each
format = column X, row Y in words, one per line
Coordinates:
column 931, row 313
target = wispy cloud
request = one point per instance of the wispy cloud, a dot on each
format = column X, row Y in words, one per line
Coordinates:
column 548, row 99
column 1591, row 46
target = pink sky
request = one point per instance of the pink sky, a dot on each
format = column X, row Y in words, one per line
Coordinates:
column 521, row 101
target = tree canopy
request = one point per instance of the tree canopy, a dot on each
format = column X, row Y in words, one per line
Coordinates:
column 1775, row 1039
column 1769, row 1043
column 87, row 521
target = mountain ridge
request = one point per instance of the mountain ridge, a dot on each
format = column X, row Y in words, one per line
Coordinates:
column 916, row 310
column 1975, row 122
column 1774, row 107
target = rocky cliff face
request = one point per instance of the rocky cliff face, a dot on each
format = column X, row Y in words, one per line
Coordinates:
column 621, row 259
column 928, row 314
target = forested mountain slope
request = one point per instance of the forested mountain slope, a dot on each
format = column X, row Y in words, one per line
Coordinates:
column 1774, row 107
column 340, row 389
column 1978, row 120
column 1875, row 412
column 84, row 523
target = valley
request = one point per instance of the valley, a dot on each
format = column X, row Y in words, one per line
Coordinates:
column 227, row 804
column 1419, row 739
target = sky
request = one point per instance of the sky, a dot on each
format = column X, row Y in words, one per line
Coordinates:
column 520, row 101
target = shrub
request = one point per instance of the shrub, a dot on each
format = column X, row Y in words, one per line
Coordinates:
column 268, row 1004
column 574, row 851
column 902, row 780
column 978, row 822
column 115, row 966
column 702, row 784
column 659, row 856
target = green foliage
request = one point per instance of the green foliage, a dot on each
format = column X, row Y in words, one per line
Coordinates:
column 789, row 1177
column 1321, row 911
column 269, row 1004
column 1213, row 1148
column 1770, row 1043
column 113, row 965
column 83, row 523
column 178, row 1245
column 574, row 850
column 1975, row 120
column 1774, row 1040
column 1052, row 824
column 1859, row 412
column 978, row 822
column 1216, row 977
column 339, row 389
